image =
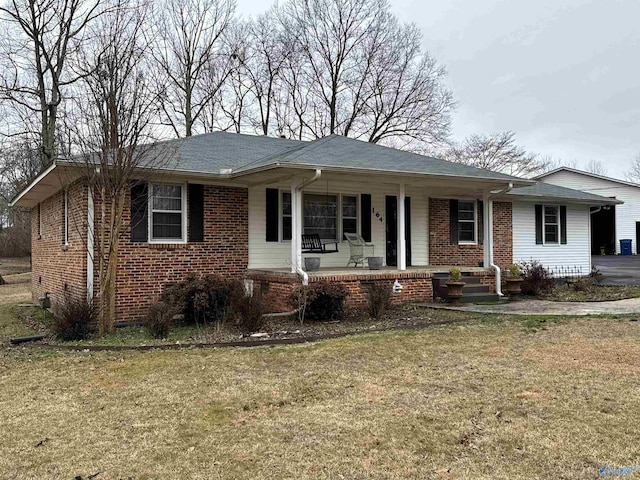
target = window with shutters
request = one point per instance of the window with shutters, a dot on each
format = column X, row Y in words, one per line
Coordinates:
column 167, row 213
column 467, row 219
column 551, row 224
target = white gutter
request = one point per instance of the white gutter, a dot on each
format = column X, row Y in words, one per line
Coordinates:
column 296, row 237
column 90, row 242
column 33, row 183
column 495, row 268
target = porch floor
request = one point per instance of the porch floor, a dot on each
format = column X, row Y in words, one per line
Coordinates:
column 359, row 271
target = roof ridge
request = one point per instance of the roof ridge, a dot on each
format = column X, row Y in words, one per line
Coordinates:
column 311, row 145
column 267, row 158
column 584, row 172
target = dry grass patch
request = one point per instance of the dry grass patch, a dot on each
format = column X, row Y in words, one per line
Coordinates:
column 459, row 402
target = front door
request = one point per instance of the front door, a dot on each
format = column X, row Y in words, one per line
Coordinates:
column 391, row 228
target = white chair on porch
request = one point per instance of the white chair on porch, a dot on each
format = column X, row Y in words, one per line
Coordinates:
column 358, row 249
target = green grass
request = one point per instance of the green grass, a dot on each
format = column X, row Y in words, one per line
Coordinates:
column 492, row 398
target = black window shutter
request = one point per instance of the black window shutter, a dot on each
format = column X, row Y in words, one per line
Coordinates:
column 453, row 221
column 139, row 213
column 563, row 224
column 272, row 214
column 196, row 212
column 538, row 224
column 365, row 217
column 480, row 217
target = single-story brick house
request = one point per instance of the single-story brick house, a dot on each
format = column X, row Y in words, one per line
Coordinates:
column 238, row 205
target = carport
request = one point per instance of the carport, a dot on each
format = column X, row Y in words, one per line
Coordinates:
column 603, row 230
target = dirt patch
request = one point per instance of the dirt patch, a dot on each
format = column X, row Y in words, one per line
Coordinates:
column 593, row 293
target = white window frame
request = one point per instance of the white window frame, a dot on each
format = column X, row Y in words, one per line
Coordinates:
column 281, row 216
column 151, row 210
column 475, row 222
column 357, row 217
column 66, row 218
column 544, row 225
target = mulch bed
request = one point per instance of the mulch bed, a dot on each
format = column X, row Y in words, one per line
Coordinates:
column 285, row 332
column 594, row 293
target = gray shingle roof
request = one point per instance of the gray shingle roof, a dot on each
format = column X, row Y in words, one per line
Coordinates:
column 549, row 191
column 221, row 153
column 213, row 152
column 336, row 151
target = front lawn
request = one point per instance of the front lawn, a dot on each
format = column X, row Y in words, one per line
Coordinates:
column 494, row 397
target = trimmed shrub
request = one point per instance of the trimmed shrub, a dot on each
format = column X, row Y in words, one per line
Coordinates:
column 321, row 301
column 202, row 299
column 73, row 320
column 379, row 300
column 536, row 279
column 159, row 319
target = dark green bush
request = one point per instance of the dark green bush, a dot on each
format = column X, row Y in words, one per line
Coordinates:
column 159, row 319
column 536, row 279
column 202, row 299
column 73, row 319
column 321, row 301
column 379, row 299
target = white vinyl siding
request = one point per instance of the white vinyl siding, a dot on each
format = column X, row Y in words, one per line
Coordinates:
column 263, row 254
column 627, row 214
column 576, row 252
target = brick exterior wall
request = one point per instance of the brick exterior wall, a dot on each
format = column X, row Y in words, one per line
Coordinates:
column 416, row 286
column 59, row 269
column 145, row 268
column 441, row 252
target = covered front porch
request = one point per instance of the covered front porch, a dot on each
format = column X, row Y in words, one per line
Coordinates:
column 412, row 223
column 413, row 284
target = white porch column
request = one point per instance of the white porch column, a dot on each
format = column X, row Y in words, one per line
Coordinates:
column 296, row 227
column 402, row 243
column 487, row 229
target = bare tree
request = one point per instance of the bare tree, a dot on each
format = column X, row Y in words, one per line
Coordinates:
column 497, row 152
column 42, row 38
column 633, row 174
column 596, row 167
column 264, row 60
column 349, row 67
column 191, row 57
column 114, row 136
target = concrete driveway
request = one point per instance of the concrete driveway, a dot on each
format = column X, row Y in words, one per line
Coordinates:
column 618, row 269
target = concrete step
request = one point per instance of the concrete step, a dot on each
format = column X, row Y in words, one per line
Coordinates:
column 479, row 297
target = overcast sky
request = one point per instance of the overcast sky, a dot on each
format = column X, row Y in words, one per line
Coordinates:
column 562, row 74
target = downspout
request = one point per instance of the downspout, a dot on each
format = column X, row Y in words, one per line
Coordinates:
column 595, row 211
column 495, row 268
column 297, row 237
